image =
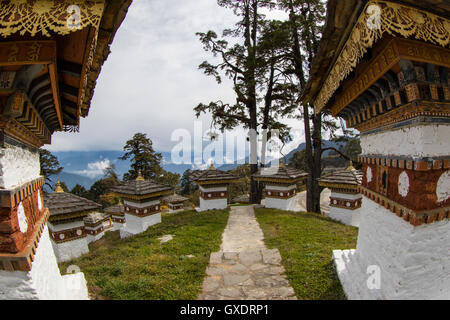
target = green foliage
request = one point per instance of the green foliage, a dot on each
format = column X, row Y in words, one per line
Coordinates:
column 306, row 242
column 299, row 161
column 80, row 191
column 242, row 186
column 187, row 187
column 49, row 165
column 141, row 268
column 143, row 158
column 170, row 178
column 102, row 187
column 64, row 186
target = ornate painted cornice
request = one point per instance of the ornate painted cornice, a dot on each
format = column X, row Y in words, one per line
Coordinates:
column 48, row 16
column 394, row 19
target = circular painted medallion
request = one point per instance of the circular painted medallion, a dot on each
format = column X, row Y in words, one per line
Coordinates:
column 403, row 184
column 443, row 187
column 369, row 174
column 39, row 200
column 23, row 223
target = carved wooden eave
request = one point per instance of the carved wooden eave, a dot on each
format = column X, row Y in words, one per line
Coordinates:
column 51, row 53
column 348, row 37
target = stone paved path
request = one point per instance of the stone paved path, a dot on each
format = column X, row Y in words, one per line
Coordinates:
column 244, row 269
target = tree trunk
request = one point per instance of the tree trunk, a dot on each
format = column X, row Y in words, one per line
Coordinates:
column 317, row 167
column 298, row 64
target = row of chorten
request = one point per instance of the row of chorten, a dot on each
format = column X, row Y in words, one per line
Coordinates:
column 75, row 221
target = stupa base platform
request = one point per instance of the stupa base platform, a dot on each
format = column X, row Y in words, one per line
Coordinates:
column 282, row 204
column 394, row 259
column 135, row 225
column 216, row 204
column 70, row 250
column 352, row 277
column 348, row 217
column 44, row 281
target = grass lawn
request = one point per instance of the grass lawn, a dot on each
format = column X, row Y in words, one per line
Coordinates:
column 305, row 242
column 142, row 268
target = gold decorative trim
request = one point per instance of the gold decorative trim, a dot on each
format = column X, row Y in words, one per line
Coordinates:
column 338, row 186
column 61, row 218
column 49, row 16
column 394, row 19
column 141, row 197
column 202, row 183
column 281, row 181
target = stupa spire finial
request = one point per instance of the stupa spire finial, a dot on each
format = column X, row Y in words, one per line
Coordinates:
column 350, row 166
column 139, row 177
column 58, row 188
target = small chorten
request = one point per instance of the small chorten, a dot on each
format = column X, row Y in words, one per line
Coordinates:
column 213, row 185
column 66, row 225
column 175, row 202
column 280, row 186
column 345, row 200
column 96, row 224
column 141, row 204
column 117, row 215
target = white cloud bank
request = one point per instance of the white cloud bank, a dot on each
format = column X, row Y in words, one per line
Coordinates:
column 94, row 169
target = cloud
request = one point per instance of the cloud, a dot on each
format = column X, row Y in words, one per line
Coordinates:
column 94, row 169
column 151, row 82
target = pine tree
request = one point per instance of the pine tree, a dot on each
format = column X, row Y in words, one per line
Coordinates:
column 253, row 63
column 49, row 165
column 143, row 158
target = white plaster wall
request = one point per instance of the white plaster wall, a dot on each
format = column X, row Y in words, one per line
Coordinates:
column 282, row 204
column 137, row 225
column 44, row 281
column 118, row 226
column 65, row 226
column 18, row 166
column 280, row 188
column 212, row 189
column 417, row 141
column 90, row 238
column 414, row 261
column 69, row 250
column 213, row 204
column 345, row 196
column 348, row 217
column 141, row 205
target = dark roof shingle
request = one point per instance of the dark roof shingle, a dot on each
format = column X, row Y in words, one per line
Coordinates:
column 60, row 203
column 140, row 187
column 281, row 173
column 211, row 175
column 173, row 198
column 342, row 176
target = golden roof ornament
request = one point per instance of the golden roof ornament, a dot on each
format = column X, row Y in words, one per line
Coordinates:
column 58, row 188
column 139, row 177
column 212, row 167
column 350, row 166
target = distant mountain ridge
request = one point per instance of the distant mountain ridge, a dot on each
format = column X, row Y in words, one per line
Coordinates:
column 301, row 146
column 86, row 167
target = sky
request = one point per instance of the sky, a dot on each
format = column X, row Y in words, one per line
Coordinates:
column 150, row 82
